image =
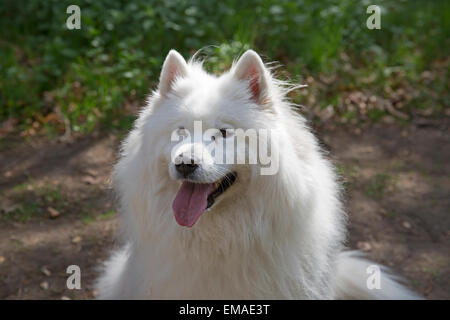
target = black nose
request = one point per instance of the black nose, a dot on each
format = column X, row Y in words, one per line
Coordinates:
column 186, row 168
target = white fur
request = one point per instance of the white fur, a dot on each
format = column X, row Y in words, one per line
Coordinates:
column 269, row 237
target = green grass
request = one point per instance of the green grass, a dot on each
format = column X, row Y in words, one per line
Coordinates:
column 21, row 186
column 33, row 201
column 377, row 186
column 87, row 219
column 87, row 78
column 107, row 215
column 24, row 212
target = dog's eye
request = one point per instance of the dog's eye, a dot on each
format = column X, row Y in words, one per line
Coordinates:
column 223, row 132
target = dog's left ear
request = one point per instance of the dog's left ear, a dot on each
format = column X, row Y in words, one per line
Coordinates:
column 250, row 68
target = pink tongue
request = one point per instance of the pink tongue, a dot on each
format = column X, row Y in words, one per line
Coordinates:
column 190, row 202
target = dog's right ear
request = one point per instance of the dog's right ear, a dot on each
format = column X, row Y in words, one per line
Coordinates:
column 174, row 67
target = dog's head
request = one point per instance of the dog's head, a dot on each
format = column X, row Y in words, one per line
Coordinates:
column 214, row 133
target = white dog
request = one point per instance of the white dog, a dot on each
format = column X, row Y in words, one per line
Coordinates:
column 196, row 228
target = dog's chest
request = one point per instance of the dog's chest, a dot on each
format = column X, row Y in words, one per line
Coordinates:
column 177, row 276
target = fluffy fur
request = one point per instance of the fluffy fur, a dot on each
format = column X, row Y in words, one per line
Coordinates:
column 269, row 237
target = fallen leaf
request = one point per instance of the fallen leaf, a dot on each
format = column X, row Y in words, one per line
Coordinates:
column 53, row 213
column 364, row 246
column 91, row 172
column 45, row 271
column 44, row 285
column 406, row 225
column 8, row 125
column 89, row 180
column 2, row 259
column 76, row 239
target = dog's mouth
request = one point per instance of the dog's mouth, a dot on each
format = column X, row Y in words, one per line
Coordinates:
column 193, row 198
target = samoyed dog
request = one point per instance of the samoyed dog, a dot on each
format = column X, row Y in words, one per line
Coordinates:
column 195, row 227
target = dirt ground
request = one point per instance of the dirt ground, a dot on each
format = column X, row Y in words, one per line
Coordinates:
column 56, row 209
